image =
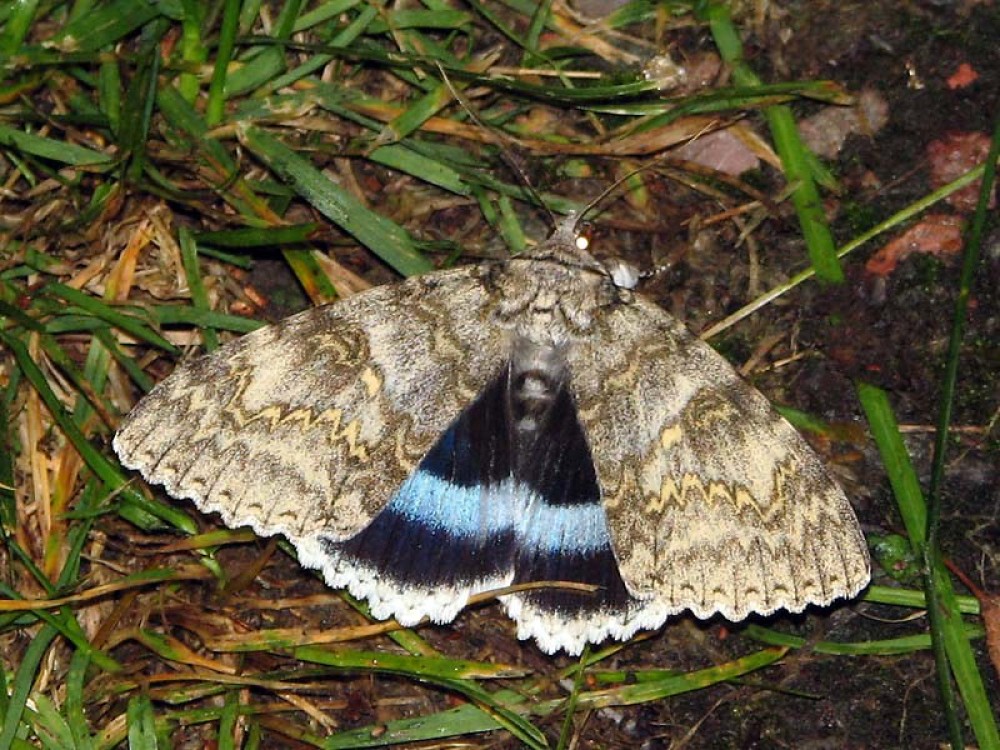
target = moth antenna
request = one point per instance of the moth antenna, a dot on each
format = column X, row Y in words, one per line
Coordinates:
column 642, row 168
column 505, row 153
column 655, row 271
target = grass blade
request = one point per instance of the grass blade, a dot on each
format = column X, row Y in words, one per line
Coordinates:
column 387, row 240
column 97, row 462
column 16, row 27
column 110, row 315
column 794, row 159
column 23, row 680
column 448, row 673
column 50, row 148
column 943, row 608
column 105, row 24
column 141, row 724
column 948, row 629
column 189, row 256
column 223, row 56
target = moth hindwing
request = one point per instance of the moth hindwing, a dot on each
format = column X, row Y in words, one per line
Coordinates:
column 506, row 423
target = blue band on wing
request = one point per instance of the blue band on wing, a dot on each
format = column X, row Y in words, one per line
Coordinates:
column 569, row 543
column 559, row 529
column 451, row 522
column 475, row 512
column 508, row 492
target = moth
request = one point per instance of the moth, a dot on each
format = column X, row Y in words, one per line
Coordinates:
column 518, row 421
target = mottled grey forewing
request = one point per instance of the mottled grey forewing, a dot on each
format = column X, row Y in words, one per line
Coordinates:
column 308, row 428
column 715, row 503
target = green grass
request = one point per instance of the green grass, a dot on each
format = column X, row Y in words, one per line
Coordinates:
column 159, row 149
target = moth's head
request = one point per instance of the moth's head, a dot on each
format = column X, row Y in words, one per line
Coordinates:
column 575, row 235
